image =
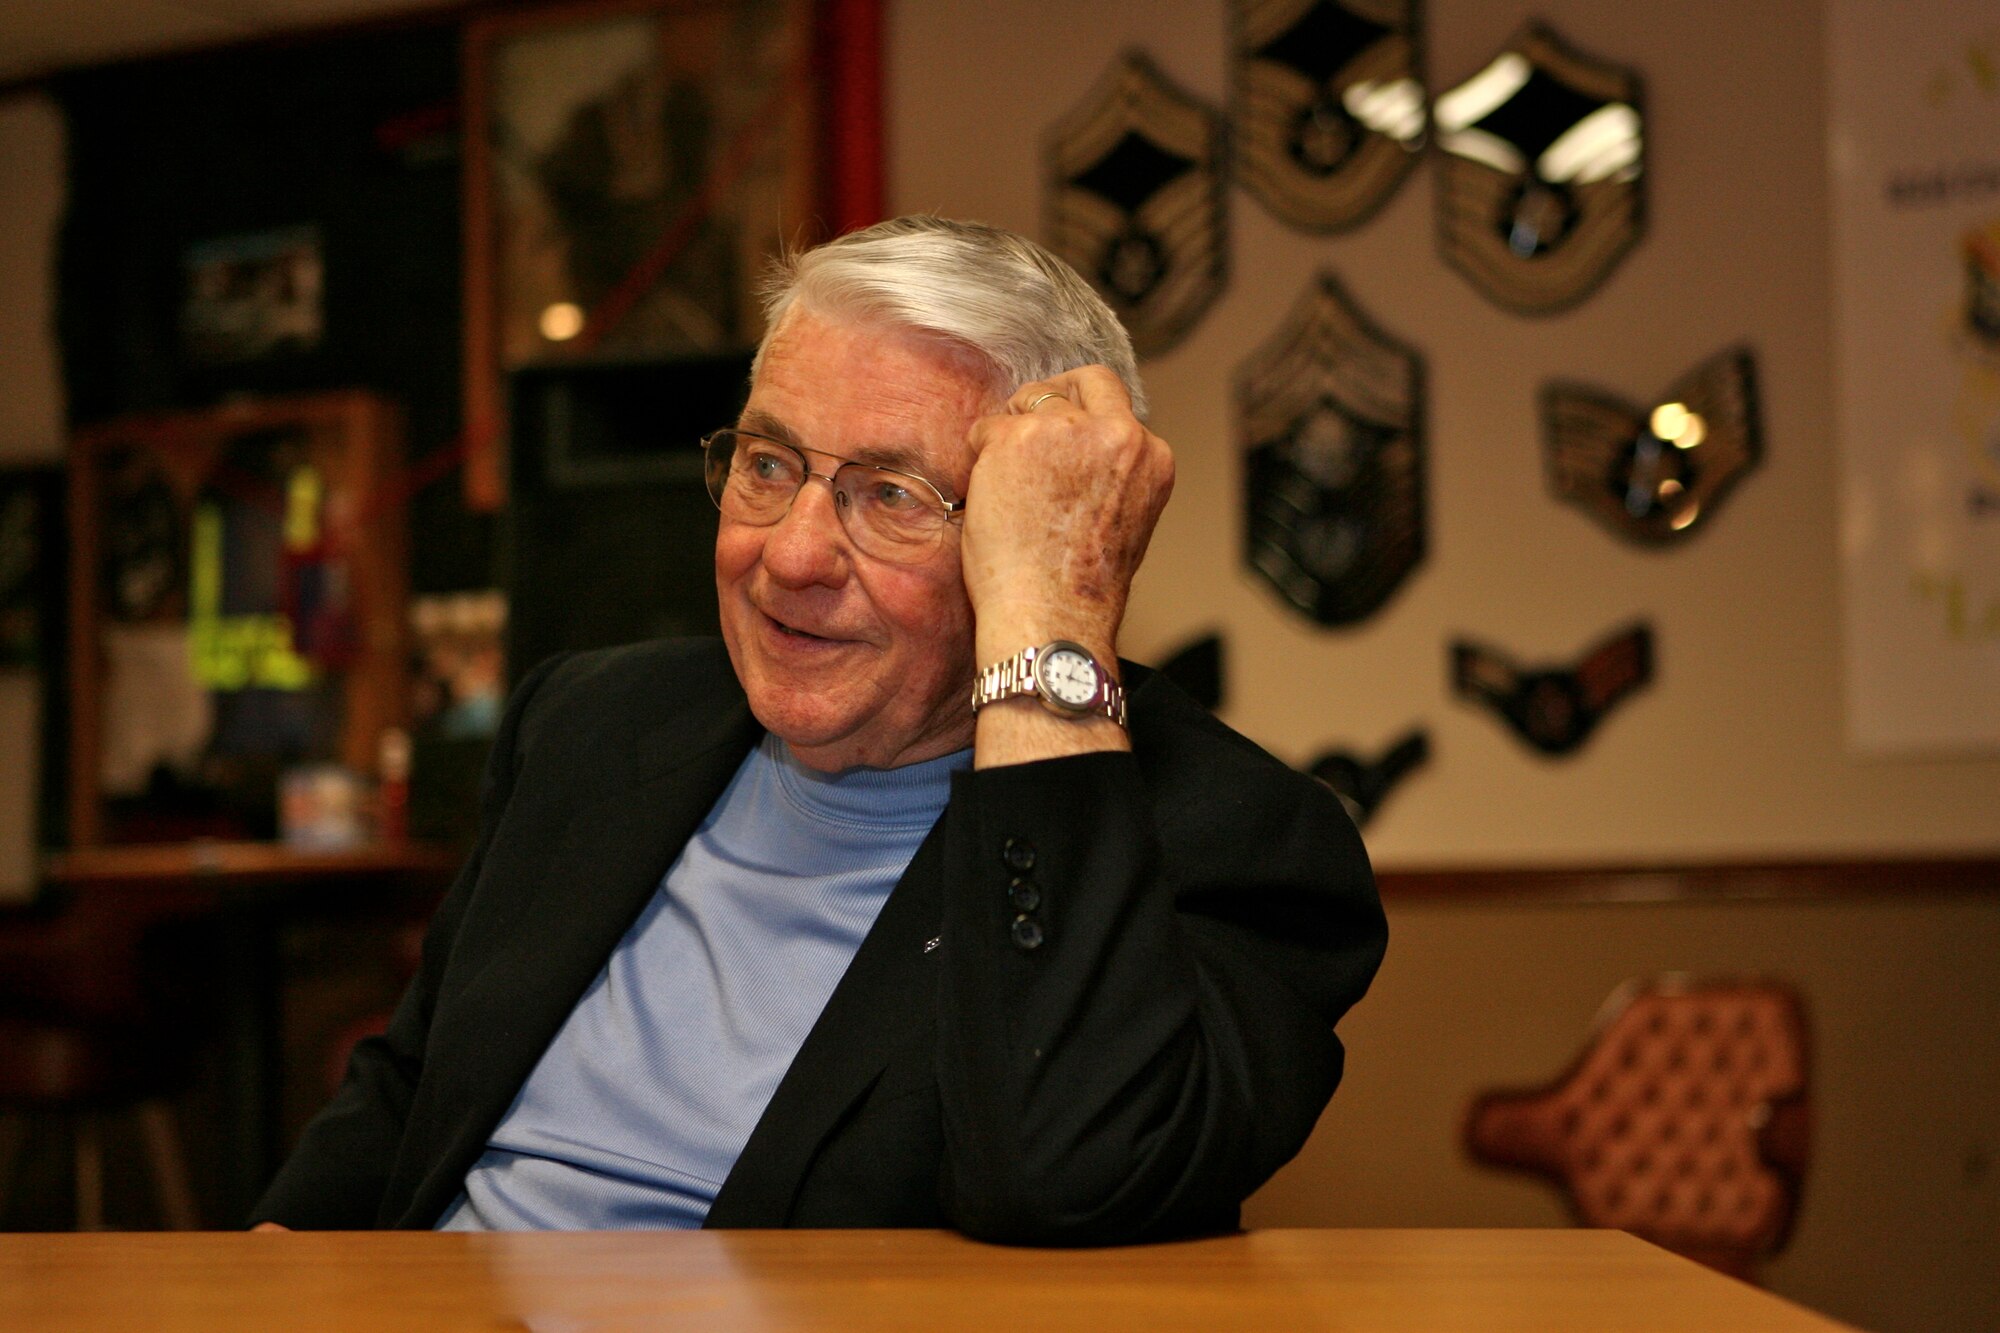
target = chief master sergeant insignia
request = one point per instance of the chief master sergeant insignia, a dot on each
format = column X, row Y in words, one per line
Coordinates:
column 1328, row 108
column 1136, row 201
column 1330, row 415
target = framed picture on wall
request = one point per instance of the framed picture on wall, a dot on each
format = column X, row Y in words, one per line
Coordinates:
column 632, row 166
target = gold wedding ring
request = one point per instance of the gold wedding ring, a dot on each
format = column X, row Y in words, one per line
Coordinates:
column 1038, row 400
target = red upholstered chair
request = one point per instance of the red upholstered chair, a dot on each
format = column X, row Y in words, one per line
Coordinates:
column 84, row 1038
column 1684, row 1121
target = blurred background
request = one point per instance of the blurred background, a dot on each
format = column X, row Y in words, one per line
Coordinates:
column 352, row 356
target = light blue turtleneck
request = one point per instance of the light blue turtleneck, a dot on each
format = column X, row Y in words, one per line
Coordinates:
column 641, row 1104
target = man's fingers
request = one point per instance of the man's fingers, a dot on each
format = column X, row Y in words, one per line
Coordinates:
column 1094, row 389
column 1037, row 395
column 1098, row 390
column 1086, row 406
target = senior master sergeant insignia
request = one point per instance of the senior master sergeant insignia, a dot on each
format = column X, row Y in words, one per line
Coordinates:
column 1540, row 182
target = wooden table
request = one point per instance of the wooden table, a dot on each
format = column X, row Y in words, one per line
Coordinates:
column 249, row 890
column 1357, row 1281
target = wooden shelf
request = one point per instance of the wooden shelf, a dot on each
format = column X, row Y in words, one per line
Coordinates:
column 1697, row 881
column 247, row 865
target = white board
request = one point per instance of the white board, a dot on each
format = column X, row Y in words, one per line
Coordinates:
column 1914, row 155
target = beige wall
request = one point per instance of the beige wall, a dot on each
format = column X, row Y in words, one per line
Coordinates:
column 31, row 193
column 31, row 201
column 1737, row 749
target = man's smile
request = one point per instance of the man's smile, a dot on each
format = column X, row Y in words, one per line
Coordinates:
column 800, row 633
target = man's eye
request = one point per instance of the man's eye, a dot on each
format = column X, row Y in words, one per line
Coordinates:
column 894, row 495
column 766, row 466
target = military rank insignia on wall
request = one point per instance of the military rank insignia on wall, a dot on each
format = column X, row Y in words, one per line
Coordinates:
column 1330, row 417
column 1981, row 249
column 1136, row 200
column 1540, row 187
column 1652, row 475
column 1328, row 111
column 1554, row 709
column 1363, row 784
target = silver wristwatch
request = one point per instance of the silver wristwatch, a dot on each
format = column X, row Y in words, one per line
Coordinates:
column 1069, row 681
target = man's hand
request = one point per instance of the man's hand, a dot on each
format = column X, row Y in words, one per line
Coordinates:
column 1060, row 508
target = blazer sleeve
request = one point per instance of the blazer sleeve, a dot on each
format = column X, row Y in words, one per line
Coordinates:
column 336, row 1177
column 1147, row 953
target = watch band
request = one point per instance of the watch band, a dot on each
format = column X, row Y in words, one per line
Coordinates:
column 1021, row 674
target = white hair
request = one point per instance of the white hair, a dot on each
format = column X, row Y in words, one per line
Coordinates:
column 994, row 291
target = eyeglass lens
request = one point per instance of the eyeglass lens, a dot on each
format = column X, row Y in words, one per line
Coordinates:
column 890, row 515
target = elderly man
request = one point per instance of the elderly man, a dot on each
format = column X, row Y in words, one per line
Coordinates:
column 907, row 904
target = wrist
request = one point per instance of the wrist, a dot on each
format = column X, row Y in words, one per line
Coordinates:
column 1001, row 634
column 1064, row 676
column 1022, row 731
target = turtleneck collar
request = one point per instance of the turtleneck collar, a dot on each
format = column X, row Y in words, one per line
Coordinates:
column 909, row 797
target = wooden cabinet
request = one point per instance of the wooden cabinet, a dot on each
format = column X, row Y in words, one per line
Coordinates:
column 237, row 589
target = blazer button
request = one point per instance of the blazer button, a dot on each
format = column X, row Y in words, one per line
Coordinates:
column 1018, row 854
column 1025, row 896
column 1027, row 934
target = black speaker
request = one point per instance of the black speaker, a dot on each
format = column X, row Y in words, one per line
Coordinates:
column 611, row 536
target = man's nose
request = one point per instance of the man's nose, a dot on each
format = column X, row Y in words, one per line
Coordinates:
column 809, row 544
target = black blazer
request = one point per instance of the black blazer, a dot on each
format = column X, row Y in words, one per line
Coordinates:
column 1205, row 916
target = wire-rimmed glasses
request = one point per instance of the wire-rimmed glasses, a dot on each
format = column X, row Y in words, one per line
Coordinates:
column 890, row 515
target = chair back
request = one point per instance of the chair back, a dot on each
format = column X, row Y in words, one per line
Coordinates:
column 1684, row 1120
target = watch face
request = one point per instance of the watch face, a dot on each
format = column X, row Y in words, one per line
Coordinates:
column 1068, row 676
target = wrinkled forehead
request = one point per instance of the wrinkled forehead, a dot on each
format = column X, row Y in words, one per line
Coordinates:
column 874, row 392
